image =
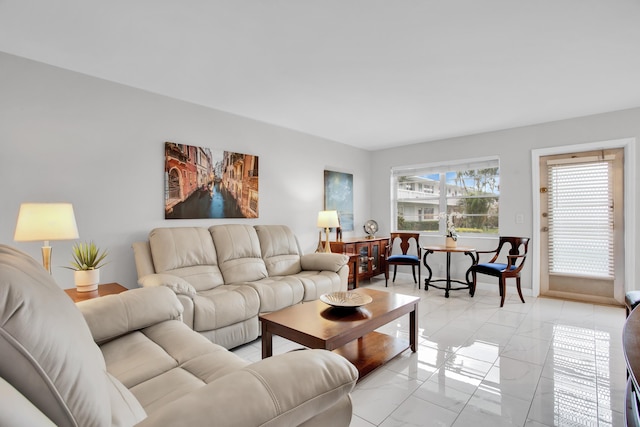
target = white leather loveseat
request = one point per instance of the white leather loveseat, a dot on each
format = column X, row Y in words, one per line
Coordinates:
column 126, row 359
column 225, row 275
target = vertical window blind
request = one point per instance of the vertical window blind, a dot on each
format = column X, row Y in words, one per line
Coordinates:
column 581, row 217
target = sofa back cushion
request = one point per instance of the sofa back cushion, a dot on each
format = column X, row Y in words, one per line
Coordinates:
column 280, row 250
column 239, row 255
column 46, row 348
column 186, row 252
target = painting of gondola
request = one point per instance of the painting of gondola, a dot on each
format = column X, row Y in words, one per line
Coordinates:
column 202, row 182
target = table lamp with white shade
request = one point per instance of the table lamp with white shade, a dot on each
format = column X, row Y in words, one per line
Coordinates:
column 327, row 220
column 46, row 221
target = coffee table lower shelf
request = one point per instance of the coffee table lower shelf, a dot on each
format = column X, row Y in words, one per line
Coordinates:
column 371, row 351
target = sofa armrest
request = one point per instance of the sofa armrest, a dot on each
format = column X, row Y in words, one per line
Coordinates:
column 287, row 389
column 323, row 262
column 143, row 258
column 111, row 316
column 177, row 284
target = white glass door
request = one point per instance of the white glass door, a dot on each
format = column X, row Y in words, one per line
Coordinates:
column 582, row 226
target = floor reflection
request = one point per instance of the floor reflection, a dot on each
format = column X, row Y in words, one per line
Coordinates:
column 543, row 363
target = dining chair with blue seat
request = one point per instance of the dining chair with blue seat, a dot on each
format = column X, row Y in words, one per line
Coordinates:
column 511, row 267
column 403, row 249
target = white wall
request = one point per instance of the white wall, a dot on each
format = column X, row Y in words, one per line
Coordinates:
column 68, row 137
column 513, row 146
column 100, row 145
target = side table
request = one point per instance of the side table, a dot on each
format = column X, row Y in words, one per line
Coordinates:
column 105, row 289
column 468, row 284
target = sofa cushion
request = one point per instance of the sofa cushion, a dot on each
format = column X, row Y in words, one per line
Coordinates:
column 296, row 388
column 186, row 252
column 278, row 292
column 224, row 306
column 53, row 360
column 239, row 256
column 134, row 359
column 166, row 361
column 280, row 250
column 317, row 283
column 126, row 409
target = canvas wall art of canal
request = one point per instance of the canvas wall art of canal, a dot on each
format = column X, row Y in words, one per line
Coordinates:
column 202, row 182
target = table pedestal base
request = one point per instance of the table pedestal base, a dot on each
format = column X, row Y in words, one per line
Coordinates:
column 468, row 283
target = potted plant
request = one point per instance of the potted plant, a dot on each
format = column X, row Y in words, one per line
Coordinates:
column 452, row 233
column 87, row 260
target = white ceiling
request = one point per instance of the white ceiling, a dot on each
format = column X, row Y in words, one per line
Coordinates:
column 368, row 73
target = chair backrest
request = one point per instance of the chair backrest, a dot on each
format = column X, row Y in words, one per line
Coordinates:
column 404, row 242
column 517, row 246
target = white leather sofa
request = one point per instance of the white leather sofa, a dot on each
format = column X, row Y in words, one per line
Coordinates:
column 127, row 359
column 225, row 275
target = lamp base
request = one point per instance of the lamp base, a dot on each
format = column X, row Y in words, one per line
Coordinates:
column 46, row 257
column 320, row 247
column 327, row 245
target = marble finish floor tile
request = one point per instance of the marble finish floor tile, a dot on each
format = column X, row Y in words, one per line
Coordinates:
column 544, row 363
column 416, row 412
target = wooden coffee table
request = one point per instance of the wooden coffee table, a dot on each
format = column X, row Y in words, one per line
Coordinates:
column 349, row 332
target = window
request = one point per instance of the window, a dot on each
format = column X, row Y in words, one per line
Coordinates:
column 472, row 188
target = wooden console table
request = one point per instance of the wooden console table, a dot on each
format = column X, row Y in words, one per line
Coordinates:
column 371, row 251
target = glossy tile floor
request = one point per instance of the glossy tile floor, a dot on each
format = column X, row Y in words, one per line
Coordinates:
column 544, row 363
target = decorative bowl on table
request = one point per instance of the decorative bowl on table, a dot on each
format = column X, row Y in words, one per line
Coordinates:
column 345, row 299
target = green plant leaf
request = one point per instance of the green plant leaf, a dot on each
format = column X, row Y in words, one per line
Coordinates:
column 87, row 256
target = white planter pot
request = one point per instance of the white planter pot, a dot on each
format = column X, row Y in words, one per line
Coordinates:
column 450, row 243
column 87, row 280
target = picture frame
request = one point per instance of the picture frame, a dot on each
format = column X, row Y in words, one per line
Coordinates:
column 338, row 195
column 201, row 182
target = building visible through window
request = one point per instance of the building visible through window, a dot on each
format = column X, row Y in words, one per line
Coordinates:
column 423, row 193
